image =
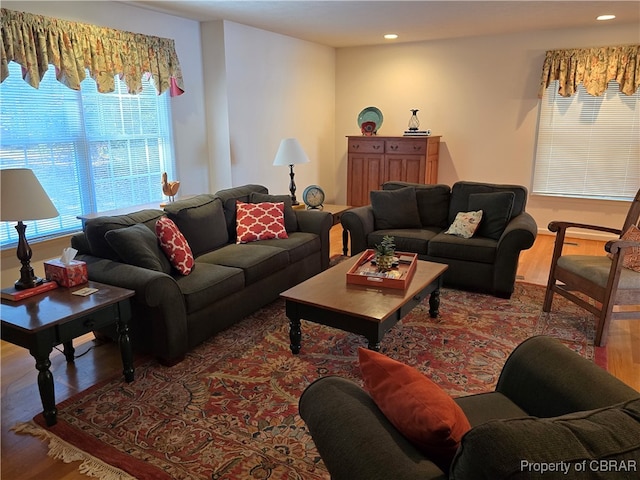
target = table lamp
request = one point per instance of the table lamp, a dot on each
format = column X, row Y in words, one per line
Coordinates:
column 23, row 198
column 290, row 153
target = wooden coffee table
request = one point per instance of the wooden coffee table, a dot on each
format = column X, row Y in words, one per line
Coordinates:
column 327, row 299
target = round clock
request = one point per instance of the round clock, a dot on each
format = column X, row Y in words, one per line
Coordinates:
column 313, row 196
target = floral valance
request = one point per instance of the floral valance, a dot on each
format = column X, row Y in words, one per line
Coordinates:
column 35, row 41
column 594, row 68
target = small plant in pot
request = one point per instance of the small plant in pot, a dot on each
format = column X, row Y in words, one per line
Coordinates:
column 385, row 252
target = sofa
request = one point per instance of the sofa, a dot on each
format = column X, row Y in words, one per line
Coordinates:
column 419, row 216
column 173, row 312
column 551, row 409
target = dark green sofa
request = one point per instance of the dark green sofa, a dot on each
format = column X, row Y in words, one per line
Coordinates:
column 486, row 262
column 550, row 406
column 173, row 313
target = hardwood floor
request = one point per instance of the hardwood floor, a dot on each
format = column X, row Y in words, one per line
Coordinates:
column 25, row 458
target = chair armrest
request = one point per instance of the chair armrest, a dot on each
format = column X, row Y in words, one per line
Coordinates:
column 556, row 226
column 547, row 379
column 355, row 439
column 359, row 222
column 320, row 223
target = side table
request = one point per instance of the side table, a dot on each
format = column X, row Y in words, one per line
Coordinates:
column 40, row 322
column 336, row 212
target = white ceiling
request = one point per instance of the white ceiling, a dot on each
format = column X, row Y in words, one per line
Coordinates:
column 354, row 23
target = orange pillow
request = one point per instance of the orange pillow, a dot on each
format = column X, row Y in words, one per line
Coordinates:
column 259, row 221
column 424, row 413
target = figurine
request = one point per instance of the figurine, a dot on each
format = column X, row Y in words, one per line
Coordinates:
column 169, row 188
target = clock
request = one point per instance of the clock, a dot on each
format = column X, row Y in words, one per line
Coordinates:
column 313, row 196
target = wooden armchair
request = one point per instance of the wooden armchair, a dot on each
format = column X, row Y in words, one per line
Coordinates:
column 603, row 279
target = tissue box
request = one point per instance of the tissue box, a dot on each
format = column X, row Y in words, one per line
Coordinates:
column 69, row 275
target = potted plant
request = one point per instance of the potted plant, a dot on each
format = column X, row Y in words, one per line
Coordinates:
column 385, row 252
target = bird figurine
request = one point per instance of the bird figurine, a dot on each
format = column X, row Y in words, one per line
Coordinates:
column 169, row 188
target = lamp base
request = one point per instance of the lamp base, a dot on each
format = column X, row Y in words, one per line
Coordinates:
column 22, row 285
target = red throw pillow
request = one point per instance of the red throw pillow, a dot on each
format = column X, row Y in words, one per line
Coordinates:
column 174, row 245
column 425, row 414
column 259, row 221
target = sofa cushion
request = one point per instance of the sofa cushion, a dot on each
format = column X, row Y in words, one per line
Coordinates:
column 299, row 245
column 290, row 219
column 96, row 228
column 465, row 224
column 583, row 444
column 256, row 260
column 229, row 196
column 496, row 212
column 201, row 220
column 406, row 239
column 138, row 245
column 416, row 406
column 395, row 208
column 460, row 192
column 174, row 245
column 433, row 202
column 259, row 221
column 475, row 249
column 209, row 283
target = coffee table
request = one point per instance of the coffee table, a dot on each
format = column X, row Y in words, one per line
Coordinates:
column 371, row 311
column 41, row 322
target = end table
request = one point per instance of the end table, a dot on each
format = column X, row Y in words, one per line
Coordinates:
column 40, row 322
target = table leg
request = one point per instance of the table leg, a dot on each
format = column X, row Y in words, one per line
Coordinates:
column 69, row 351
column 345, row 241
column 374, row 344
column 124, row 342
column 434, row 303
column 46, row 388
column 295, row 335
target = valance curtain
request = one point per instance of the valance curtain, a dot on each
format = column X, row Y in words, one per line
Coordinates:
column 594, row 68
column 35, row 41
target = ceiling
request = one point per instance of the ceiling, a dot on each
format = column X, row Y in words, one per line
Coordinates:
column 355, row 23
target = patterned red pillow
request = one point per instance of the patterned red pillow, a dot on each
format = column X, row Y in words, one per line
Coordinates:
column 174, row 245
column 259, row 221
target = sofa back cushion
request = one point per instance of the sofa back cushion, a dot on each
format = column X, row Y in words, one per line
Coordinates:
column 138, row 245
column 461, row 191
column 602, row 443
column 201, row 220
column 496, row 210
column 228, row 197
column 290, row 219
column 395, row 208
column 96, row 228
column 432, row 201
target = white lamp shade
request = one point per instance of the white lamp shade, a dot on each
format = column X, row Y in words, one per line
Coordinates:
column 290, row 152
column 23, row 197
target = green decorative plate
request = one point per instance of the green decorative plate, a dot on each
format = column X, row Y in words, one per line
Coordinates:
column 370, row 114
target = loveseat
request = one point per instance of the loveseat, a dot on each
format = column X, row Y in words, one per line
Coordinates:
column 418, row 216
column 173, row 312
column 551, row 409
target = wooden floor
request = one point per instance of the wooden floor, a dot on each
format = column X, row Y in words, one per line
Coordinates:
column 24, row 457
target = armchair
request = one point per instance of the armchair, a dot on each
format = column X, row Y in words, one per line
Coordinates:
column 601, row 278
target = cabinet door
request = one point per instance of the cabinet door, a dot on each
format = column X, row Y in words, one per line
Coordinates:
column 365, row 173
column 405, row 168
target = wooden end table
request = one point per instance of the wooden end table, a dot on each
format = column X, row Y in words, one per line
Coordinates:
column 40, row 322
column 336, row 212
column 328, row 299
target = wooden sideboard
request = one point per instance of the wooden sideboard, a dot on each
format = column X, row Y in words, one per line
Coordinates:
column 371, row 161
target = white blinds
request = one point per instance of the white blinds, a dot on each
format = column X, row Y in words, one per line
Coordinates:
column 588, row 146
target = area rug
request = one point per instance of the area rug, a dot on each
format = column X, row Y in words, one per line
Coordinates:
column 229, row 410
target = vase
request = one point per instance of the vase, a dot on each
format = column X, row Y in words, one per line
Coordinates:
column 414, row 123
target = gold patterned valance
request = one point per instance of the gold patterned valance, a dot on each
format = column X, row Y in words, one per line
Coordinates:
column 35, row 41
column 594, row 68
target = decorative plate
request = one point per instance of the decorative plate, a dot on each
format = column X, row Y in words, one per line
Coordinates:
column 368, row 116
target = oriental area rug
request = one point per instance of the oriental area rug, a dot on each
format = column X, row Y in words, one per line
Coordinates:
column 230, row 409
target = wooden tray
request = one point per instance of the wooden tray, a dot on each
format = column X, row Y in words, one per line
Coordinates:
column 364, row 273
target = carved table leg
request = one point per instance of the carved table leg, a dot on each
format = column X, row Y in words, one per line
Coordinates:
column 295, row 335
column 434, row 303
column 69, row 351
column 46, row 388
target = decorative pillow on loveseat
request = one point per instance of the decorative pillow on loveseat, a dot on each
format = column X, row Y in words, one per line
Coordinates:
column 587, row 445
column 424, row 413
column 260, row 221
column 138, row 245
column 465, row 224
column 395, row 208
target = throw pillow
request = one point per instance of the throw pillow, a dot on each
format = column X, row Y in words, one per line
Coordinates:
column 259, row 221
column 395, row 208
column 496, row 212
column 137, row 245
column 290, row 219
column 417, row 407
column 174, row 245
column 631, row 258
column 465, row 224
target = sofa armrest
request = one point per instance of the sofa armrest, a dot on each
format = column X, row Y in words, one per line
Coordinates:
column 546, row 379
column 359, row 222
column 320, row 223
column 154, row 290
column 355, row 439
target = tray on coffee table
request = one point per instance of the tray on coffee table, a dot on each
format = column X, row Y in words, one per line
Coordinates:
column 364, row 272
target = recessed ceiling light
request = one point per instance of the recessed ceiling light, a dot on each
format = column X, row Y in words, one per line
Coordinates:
column 605, row 17
column 391, row 36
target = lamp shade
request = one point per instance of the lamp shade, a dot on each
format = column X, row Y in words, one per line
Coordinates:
column 290, row 152
column 23, row 197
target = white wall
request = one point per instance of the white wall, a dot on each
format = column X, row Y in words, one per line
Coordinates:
column 480, row 94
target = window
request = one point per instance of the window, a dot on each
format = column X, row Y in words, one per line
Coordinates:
column 588, row 147
column 91, row 151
